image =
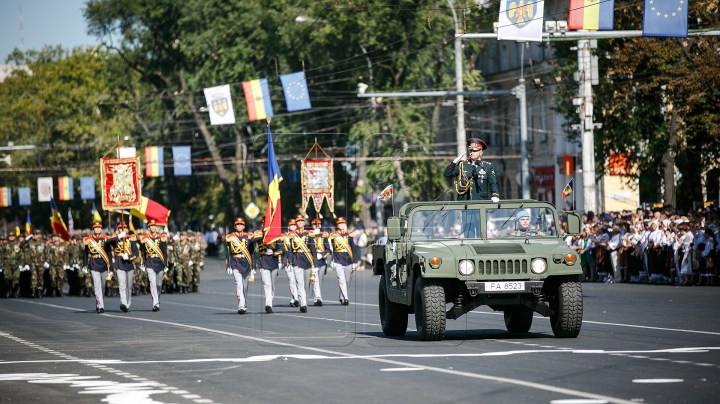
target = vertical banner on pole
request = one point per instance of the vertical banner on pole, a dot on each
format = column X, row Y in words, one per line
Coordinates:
column 24, row 198
column 87, row 188
column 154, row 162
column 182, row 160
column 65, row 189
column 45, row 189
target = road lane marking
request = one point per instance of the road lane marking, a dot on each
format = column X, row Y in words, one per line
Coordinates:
column 399, row 369
column 658, row 381
column 532, row 385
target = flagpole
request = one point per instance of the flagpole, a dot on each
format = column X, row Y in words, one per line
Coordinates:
column 392, row 200
column 573, row 206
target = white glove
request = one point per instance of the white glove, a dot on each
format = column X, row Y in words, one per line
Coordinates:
column 202, row 263
column 125, row 256
column 495, row 199
column 228, row 270
column 27, row 267
column 46, row 265
column 1, row 270
column 176, row 237
column 190, row 262
column 142, row 268
column 66, row 267
column 28, row 237
column 280, row 266
column 122, row 234
column 76, row 266
column 354, row 266
column 84, row 269
column 316, row 232
column 314, row 271
column 166, row 269
column 21, row 268
column 319, row 256
column 458, row 158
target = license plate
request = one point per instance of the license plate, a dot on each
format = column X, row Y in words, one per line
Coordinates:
column 504, row 286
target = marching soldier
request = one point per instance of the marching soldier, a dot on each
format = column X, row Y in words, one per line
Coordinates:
column 322, row 251
column 301, row 255
column 84, row 278
column 186, row 263
column 270, row 260
column 172, row 260
column 97, row 260
column 125, row 254
column 475, row 178
column 34, row 261
column 11, row 266
column 56, row 257
column 300, row 221
column 154, row 252
column 197, row 258
column 342, row 245
column 239, row 260
column 141, row 277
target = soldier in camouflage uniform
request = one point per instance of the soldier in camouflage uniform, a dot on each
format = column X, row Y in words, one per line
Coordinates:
column 73, row 265
column 56, row 257
column 197, row 258
column 169, row 276
column 10, row 264
column 83, row 274
column 140, row 280
column 183, row 264
column 33, row 260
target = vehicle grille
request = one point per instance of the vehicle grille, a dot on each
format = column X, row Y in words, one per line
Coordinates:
column 502, row 267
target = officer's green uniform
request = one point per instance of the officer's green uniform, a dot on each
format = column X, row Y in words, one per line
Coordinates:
column 474, row 180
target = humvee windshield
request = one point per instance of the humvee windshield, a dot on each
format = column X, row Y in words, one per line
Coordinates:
column 445, row 223
column 533, row 222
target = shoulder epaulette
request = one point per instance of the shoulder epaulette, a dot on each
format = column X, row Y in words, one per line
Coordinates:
column 163, row 237
column 132, row 237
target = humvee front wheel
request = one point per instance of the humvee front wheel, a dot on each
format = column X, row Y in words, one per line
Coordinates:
column 518, row 319
column 393, row 316
column 568, row 307
column 429, row 309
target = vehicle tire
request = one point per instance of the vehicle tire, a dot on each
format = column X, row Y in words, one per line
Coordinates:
column 429, row 309
column 568, row 307
column 518, row 319
column 393, row 316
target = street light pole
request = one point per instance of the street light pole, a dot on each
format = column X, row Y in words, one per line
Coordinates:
column 459, row 99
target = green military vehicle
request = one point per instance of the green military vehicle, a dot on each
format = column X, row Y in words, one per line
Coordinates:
column 509, row 255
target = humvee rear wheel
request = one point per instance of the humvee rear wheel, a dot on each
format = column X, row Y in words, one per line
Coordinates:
column 429, row 309
column 518, row 319
column 568, row 307
column 393, row 316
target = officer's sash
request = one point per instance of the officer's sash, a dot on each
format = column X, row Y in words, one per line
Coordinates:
column 305, row 250
column 100, row 251
column 156, row 249
column 345, row 244
column 241, row 246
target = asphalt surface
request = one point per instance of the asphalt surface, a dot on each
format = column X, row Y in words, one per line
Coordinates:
column 638, row 343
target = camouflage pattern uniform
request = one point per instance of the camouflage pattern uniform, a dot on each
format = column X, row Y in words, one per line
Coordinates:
column 140, row 277
column 56, row 257
column 197, row 256
column 172, row 259
column 83, row 274
column 10, row 262
column 33, row 259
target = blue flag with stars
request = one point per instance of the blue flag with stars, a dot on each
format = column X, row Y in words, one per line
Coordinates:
column 668, row 18
column 297, row 97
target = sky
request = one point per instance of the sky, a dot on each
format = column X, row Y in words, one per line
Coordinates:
column 45, row 22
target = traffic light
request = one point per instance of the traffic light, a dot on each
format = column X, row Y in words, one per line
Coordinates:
column 568, row 164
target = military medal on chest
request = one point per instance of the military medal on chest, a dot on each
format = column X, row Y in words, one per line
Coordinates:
column 482, row 174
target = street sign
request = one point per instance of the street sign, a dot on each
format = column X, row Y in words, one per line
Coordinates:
column 252, row 211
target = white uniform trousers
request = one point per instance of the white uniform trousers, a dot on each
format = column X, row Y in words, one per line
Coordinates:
column 268, row 281
column 299, row 285
column 292, row 283
column 241, row 287
column 99, row 287
column 156, row 281
column 125, row 280
column 343, row 274
column 316, row 286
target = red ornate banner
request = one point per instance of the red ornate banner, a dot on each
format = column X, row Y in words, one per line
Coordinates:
column 120, row 183
column 318, row 183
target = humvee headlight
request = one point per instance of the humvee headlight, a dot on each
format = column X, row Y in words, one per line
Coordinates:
column 570, row 259
column 467, row 267
column 435, row 262
column 538, row 266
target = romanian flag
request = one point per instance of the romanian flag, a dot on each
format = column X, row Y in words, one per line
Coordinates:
column 272, row 226
column 96, row 215
column 568, row 189
column 28, row 225
column 257, row 98
column 5, row 197
column 154, row 164
column 386, row 193
column 591, row 14
column 150, row 209
column 57, row 223
column 65, row 189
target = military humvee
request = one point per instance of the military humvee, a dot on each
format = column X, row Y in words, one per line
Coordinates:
column 508, row 255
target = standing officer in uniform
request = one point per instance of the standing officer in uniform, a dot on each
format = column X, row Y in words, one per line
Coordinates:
column 300, row 221
column 301, row 258
column 342, row 245
column 270, row 257
column 154, row 255
column 57, row 258
column 239, row 260
column 34, row 260
column 96, row 258
column 322, row 248
column 285, row 262
column 197, row 259
column 125, row 252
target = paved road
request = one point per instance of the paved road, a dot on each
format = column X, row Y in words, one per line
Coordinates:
column 639, row 343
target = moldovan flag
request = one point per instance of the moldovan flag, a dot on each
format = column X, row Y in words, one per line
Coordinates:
column 591, row 14
column 386, row 193
column 568, row 189
column 219, row 104
column 272, row 226
column 257, row 98
column 150, row 209
column 5, row 197
column 521, row 20
column 65, row 189
column 96, row 215
column 154, row 164
column 28, row 224
column 56, row 222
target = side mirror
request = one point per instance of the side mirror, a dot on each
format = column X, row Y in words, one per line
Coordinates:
column 574, row 221
column 393, row 228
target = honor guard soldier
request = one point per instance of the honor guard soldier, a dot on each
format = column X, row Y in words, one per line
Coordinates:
column 239, row 260
column 285, row 263
column 474, row 178
column 95, row 258
column 322, row 248
column 125, row 254
column 270, row 260
column 342, row 245
column 301, row 257
column 153, row 249
column 300, row 221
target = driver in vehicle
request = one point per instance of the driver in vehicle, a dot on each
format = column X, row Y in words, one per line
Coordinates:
column 522, row 227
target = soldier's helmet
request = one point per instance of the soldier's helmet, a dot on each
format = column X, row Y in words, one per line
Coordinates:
column 291, row 222
column 316, row 221
column 122, row 226
column 299, row 218
column 97, row 225
column 475, row 144
column 340, row 220
column 239, row 221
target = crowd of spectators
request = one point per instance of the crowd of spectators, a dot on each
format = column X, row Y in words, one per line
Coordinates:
column 663, row 247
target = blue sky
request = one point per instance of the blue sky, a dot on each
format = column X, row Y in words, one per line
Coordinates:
column 46, row 22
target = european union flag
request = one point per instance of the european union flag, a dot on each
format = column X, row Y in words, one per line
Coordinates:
column 668, row 18
column 182, row 160
column 24, row 196
column 295, row 88
column 87, row 188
